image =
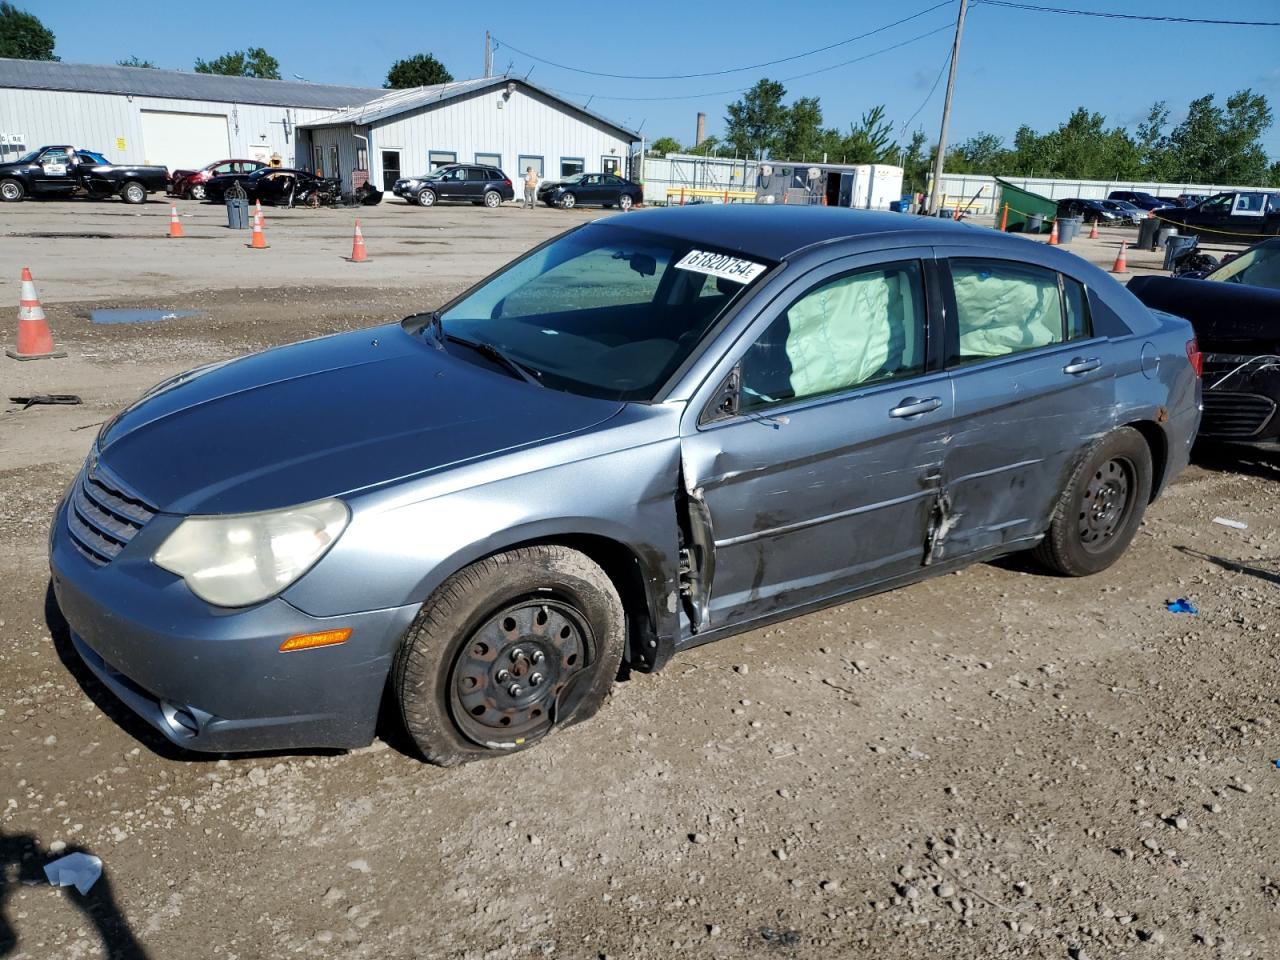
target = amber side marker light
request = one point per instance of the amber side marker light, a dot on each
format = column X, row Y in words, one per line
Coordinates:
column 306, row 641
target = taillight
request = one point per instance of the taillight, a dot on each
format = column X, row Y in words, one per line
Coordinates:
column 506, row 182
column 1196, row 357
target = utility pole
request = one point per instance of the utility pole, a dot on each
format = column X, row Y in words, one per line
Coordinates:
column 488, row 55
column 936, row 189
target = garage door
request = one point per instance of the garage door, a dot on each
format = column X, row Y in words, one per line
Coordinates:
column 184, row 140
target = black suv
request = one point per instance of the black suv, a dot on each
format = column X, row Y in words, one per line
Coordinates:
column 458, row 181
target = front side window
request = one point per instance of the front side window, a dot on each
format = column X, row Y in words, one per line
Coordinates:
column 605, row 311
column 1004, row 307
column 858, row 329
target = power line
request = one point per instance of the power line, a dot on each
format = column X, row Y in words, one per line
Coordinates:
column 929, row 96
column 1127, row 16
column 720, row 73
column 798, row 76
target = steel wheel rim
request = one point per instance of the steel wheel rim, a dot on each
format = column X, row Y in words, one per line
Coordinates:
column 10, row 191
column 567, row 201
column 426, row 198
column 624, row 201
column 1106, row 504
column 505, row 680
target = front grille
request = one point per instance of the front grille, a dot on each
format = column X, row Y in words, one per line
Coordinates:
column 1235, row 415
column 104, row 515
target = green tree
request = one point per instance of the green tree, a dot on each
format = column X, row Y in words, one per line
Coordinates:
column 802, row 136
column 254, row 62
column 135, row 62
column 665, row 145
column 23, row 36
column 916, row 162
column 1152, row 142
column 984, row 153
column 420, row 70
column 754, row 123
column 870, row 140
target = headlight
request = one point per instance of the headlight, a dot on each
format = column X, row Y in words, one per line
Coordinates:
column 234, row 561
column 412, row 183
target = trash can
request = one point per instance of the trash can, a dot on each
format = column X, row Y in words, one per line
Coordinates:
column 1035, row 223
column 237, row 213
column 1147, row 230
column 1176, row 246
column 899, row 206
column 1163, row 236
column 1068, row 227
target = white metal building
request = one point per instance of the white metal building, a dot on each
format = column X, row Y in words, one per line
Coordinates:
column 499, row 121
column 140, row 115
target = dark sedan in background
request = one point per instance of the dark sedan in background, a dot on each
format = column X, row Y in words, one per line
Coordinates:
column 274, row 185
column 469, row 182
column 191, row 183
column 1091, row 210
column 1235, row 310
column 591, row 190
column 648, row 433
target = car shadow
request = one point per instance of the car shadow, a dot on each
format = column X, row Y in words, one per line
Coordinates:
column 1268, row 576
column 126, row 719
column 1226, row 459
column 23, row 852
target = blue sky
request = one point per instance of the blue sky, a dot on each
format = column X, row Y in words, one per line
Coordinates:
column 1015, row 66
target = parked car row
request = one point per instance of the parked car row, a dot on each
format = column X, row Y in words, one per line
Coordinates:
column 489, row 186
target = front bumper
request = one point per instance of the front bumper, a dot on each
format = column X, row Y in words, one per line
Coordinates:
column 213, row 679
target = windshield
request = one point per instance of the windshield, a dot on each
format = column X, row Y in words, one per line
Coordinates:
column 28, row 157
column 576, row 178
column 606, row 311
column 1259, row 267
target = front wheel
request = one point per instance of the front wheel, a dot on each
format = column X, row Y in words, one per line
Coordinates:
column 426, row 198
column 1101, row 507
column 197, row 191
column 567, row 201
column 133, row 192
column 507, row 650
column 492, row 199
column 624, row 202
column 12, row 190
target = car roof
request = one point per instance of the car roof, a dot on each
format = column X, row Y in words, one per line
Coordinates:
column 776, row 231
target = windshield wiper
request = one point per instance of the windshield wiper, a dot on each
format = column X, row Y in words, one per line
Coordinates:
column 494, row 352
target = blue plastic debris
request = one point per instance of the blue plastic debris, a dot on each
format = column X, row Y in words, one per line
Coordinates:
column 1181, row 605
column 1277, row 764
column 128, row 315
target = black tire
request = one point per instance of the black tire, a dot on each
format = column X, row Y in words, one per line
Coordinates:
column 492, row 199
column 1101, row 507
column 625, row 202
column 543, row 611
column 133, row 192
column 426, row 198
column 11, row 191
column 567, row 201
column 196, row 191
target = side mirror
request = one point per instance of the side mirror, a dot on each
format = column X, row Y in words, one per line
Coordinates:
column 725, row 402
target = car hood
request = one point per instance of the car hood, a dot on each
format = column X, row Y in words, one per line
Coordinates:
column 324, row 418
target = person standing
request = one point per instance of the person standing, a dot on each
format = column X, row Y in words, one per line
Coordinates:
column 530, row 187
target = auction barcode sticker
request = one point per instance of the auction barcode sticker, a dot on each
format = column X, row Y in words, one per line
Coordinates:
column 720, row 265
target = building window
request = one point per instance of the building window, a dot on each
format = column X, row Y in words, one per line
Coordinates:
column 390, row 168
column 489, row 159
column 317, row 158
column 527, row 161
column 611, row 165
column 441, row 158
column 333, row 161
column 362, row 158
column 572, row 166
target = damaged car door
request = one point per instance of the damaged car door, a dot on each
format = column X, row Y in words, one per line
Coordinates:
column 1033, row 387
column 811, row 467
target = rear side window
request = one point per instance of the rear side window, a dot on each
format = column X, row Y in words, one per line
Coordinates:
column 1003, row 308
column 1079, row 326
column 861, row 328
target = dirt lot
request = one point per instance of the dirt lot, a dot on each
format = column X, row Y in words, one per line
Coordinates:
column 994, row 763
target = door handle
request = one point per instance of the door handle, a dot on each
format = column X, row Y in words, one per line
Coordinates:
column 914, row 407
column 1078, row 366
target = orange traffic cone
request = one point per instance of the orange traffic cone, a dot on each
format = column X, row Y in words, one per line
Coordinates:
column 1004, row 220
column 358, row 254
column 1053, row 234
column 35, row 342
column 257, row 211
column 1120, row 265
column 259, row 239
column 1093, row 233
column 175, row 225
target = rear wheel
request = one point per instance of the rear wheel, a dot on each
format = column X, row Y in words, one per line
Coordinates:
column 133, row 192
column 506, row 650
column 1098, row 513
column 197, row 191
column 567, row 201
column 492, row 199
column 12, row 190
column 426, row 198
column 624, row 202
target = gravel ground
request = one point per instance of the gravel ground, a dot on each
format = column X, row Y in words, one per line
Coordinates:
column 994, row 763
